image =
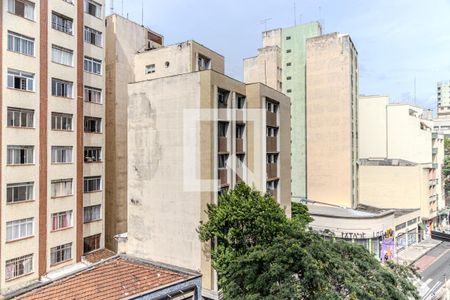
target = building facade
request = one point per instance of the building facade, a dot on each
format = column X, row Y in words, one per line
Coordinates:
column 402, row 156
column 281, row 64
column 52, row 143
column 193, row 134
column 124, row 38
column 443, row 99
column 331, row 120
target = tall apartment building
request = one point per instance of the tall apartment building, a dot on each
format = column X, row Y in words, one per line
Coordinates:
column 124, row 38
column 331, row 119
column 443, row 99
column 281, row 64
column 52, row 142
column 401, row 158
column 193, row 134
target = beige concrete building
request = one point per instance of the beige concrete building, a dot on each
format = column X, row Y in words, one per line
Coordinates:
column 124, row 38
column 52, row 142
column 401, row 158
column 331, row 109
column 443, row 99
column 194, row 133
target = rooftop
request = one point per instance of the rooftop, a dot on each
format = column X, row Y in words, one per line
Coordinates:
column 114, row 278
column 342, row 212
column 386, row 162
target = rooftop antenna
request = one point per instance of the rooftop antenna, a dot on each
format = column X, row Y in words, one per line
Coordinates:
column 295, row 13
column 112, row 6
column 122, row 7
column 415, row 91
column 265, row 23
column 142, row 10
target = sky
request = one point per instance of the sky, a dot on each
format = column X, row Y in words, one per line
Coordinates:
column 403, row 45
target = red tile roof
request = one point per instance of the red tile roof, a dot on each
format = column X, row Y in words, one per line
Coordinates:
column 99, row 255
column 115, row 278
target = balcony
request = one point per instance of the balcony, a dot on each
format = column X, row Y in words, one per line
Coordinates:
column 223, row 177
column 434, row 151
column 273, row 193
column 272, row 171
column 434, row 165
column 433, row 181
column 239, row 145
column 271, row 119
column 433, row 198
column 223, row 145
column 434, row 135
column 271, row 144
column 238, row 179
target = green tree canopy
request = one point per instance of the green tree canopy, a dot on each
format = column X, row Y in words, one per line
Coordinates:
column 261, row 254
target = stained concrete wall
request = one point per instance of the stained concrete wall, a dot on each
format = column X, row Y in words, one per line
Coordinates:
column 124, row 38
column 331, row 78
column 265, row 68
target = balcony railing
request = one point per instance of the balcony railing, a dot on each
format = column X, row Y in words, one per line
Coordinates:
column 271, row 119
column 239, row 145
column 434, row 165
column 223, row 177
column 223, row 144
column 433, row 198
column 271, row 142
column 434, row 135
column 433, row 181
column 434, row 151
column 272, row 171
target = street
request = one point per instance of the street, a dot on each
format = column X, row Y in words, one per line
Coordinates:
column 434, row 267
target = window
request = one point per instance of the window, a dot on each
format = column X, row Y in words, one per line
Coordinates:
column 240, row 102
column 92, row 184
column 204, row 63
column 18, row 266
column 20, row 118
column 92, row 124
column 149, row 69
column 91, row 243
column 62, row 23
column 62, row 56
column 288, row 78
column 272, row 131
column 61, row 253
column 288, row 64
column 272, row 185
column 222, row 129
column 20, row 43
column 92, row 213
column 92, row 36
column 61, row 88
column 62, row 188
column 92, row 65
column 288, row 91
column 93, row 8
column 240, row 131
column 20, row 80
column 288, row 51
column 21, row 8
column 20, row 155
column 288, row 38
column 62, row 154
column 92, row 95
column 222, row 97
column 92, row 154
column 271, row 107
column 272, row 158
column 61, row 121
column 222, row 163
column 18, row 192
column 61, row 220
column 19, row 229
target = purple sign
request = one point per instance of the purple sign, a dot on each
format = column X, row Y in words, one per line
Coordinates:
column 388, row 246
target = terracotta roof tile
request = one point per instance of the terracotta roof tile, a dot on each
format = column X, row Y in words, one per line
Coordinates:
column 99, row 255
column 115, row 278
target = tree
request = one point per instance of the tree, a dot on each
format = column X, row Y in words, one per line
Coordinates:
column 261, row 254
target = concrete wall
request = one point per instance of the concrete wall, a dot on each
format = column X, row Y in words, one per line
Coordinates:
column 175, row 59
column 406, row 139
column 372, row 122
column 265, row 68
column 331, row 78
column 123, row 39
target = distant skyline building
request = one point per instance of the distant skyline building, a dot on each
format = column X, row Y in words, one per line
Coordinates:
column 331, row 120
column 443, row 99
column 281, row 64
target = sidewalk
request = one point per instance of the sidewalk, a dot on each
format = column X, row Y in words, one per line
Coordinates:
column 416, row 251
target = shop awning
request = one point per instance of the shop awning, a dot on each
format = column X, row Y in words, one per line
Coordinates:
column 422, row 226
column 444, row 212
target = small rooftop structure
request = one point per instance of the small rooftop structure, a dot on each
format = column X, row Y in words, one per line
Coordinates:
column 119, row 277
column 386, row 162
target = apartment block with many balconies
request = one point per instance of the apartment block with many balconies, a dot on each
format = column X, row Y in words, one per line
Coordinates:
column 52, row 142
column 194, row 133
